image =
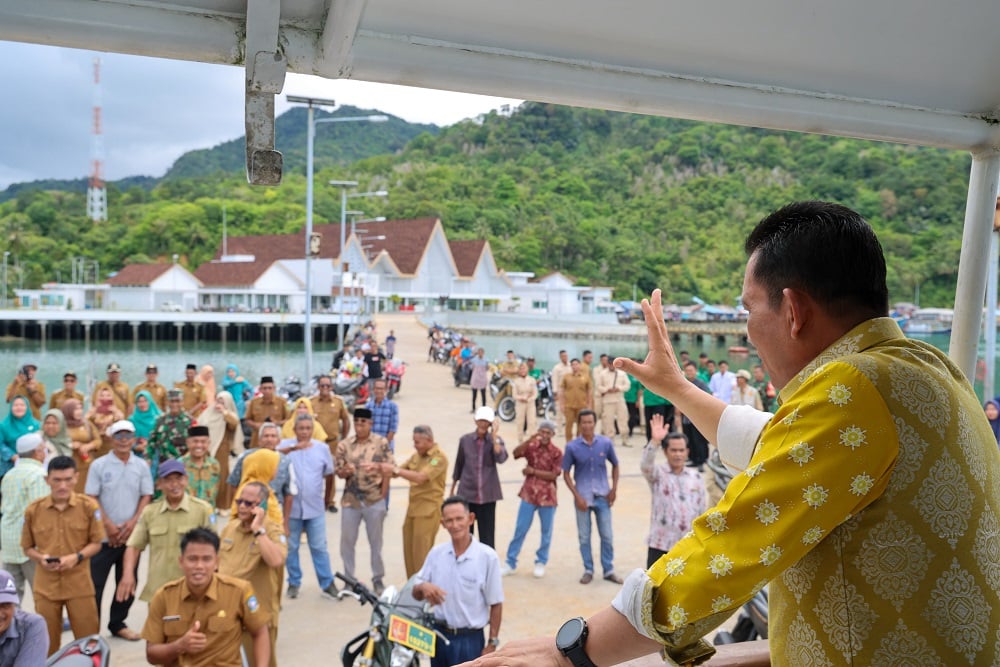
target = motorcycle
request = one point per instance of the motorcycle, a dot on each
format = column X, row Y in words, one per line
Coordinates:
column 545, row 403
column 502, row 392
column 353, row 390
column 751, row 623
column 401, row 628
column 92, row 651
column 394, row 370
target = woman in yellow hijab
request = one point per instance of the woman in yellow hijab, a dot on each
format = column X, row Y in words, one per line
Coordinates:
column 261, row 466
column 303, row 406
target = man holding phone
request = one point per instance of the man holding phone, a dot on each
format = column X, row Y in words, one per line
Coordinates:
column 25, row 384
column 62, row 531
column 254, row 549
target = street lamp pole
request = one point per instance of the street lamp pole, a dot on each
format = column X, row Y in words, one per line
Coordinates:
column 311, row 102
column 343, row 185
column 6, row 254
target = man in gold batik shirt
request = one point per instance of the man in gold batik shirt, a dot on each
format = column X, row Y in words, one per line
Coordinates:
column 868, row 502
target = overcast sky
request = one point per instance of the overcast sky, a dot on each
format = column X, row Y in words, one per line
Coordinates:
column 155, row 110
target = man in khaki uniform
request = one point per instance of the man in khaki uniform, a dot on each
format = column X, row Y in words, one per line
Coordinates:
column 331, row 413
column 68, row 392
column 160, row 527
column 119, row 390
column 194, row 393
column 253, row 548
column 525, row 392
column 155, row 389
column 426, row 471
column 25, row 384
column 61, row 532
column 611, row 386
column 559, row 371
column 198, row 621
column 264, row 408
column 365, row 489
column 578, row 394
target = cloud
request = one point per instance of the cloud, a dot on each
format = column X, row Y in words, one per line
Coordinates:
column 154, row 110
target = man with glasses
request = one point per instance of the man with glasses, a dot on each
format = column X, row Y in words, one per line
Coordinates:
column 269, row 435
column 160, row 527
column 66, row 393
column 333, row 416
column 312, row 464
column 121, row 483
column 265, row 408
column 253, row 548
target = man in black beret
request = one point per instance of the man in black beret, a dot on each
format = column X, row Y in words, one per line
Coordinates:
column 265, row 408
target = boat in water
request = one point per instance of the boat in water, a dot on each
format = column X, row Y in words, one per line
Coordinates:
column 927, row 321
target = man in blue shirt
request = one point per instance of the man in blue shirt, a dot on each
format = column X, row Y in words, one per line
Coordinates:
column 24, row 640
column 312, row 464
column 588, row 456
column 385, row 418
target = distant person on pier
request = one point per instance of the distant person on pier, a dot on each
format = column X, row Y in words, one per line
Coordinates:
column 577, row 395
column 475, row 477
column 373, row 365
column 67, row 392
column 266, row 408
column 723, row 382
column 768, row 394
column 155, row 389
column 525, row 393
column 480, row 378
column 533, row 372
column 25, row 384
column 390, row 344
column 697, row 443
column 119, row 390
column 192, row 391
column 611, row 387
column 334, row 418
column 744, row 393
column 560, row 370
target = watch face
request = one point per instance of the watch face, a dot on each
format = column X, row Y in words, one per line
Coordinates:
column 569, row 633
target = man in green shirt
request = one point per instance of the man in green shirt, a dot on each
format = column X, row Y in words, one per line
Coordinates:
column 655, row 405
column 632, row 403
column 161, row 526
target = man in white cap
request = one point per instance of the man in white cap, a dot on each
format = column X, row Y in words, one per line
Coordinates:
column 475, row 475
column 23, row 637
column 121, row 483
column 20, row 487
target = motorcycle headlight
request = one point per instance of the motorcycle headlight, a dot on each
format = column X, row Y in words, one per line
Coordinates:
column 401, row 656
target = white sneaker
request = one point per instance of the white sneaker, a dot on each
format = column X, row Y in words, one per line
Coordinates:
column 539, row 571
column 506, row 570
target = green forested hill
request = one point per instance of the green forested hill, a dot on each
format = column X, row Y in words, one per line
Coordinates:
column 610, row 198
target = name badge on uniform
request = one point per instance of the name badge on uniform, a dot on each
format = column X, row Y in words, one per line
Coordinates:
column 175, row 617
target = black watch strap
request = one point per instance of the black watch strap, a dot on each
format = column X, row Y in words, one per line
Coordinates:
column 578, row 656
column 571, row 641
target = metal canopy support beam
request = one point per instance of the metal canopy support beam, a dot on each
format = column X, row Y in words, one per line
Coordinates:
column 265, row 69
column 339, row 32
column 972, row 266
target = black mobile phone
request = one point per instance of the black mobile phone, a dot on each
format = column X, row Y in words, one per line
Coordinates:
column 52, row 559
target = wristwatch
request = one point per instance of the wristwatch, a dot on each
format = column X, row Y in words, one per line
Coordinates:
column 494, row 642
column 259, row 532
column 79, row 556
column 570, row 641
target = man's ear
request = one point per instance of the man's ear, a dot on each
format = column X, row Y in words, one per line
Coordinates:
column 798, row 310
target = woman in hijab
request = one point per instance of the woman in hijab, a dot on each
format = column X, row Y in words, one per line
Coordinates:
column 261, row 465
column 303, row 406
column 992, row 409
column 55, row 434
column 102, row 415
column 225, row 437
column 143, row 417
column 17, row 422
column 206, row 378
column 84, row 440
column 238, row 388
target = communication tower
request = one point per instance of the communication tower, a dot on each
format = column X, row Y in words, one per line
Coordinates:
column 97, row 194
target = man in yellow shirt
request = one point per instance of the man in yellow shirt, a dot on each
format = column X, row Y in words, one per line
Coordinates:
column 867, row 502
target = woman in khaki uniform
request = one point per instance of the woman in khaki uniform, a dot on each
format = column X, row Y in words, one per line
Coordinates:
column 84, row 440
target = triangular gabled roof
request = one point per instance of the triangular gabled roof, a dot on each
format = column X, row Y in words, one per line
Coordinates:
column 232, row 274
column 405, row 241
column 138, row 275
column 467, row 255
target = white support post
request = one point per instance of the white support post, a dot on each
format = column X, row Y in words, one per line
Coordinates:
column 972, row 267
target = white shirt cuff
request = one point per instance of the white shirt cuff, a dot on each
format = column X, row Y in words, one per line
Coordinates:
column 631, row 600
column 739, row 430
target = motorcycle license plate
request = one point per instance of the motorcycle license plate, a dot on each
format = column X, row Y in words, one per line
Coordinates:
column 413, row 635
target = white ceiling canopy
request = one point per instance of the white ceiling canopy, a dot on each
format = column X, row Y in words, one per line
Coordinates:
column 913, row 71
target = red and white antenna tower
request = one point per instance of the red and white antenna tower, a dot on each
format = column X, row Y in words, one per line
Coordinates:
column 97, row 194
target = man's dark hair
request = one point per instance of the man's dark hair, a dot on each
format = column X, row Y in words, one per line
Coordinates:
column 574, row 359
column 200, row 536
column 674, row 435
column 62, row 463
column 584, row 413
column 723, row 361
column 690, row 363
column 585, row 353
column 455, row 500
column 824, row 249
